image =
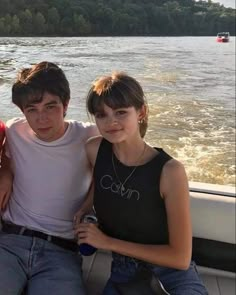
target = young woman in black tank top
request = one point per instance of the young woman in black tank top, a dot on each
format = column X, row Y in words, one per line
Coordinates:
column 140, row 194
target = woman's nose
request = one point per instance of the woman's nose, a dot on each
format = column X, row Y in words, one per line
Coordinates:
column 112, row 120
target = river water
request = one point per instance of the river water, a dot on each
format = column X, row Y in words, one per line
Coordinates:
column 189, row 83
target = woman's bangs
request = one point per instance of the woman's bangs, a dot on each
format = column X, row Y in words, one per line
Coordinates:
column 113, row 102
column 116, row 102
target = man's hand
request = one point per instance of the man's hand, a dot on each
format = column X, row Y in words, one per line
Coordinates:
column 78, row 216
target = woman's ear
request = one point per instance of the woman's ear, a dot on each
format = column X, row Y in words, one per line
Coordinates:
column 143, row 112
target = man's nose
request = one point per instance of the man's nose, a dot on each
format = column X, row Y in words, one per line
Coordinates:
column 42, row 116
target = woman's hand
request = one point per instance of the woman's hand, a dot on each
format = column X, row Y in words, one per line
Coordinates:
column 89, row 233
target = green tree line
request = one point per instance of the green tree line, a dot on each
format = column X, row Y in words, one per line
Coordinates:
column 114, row 18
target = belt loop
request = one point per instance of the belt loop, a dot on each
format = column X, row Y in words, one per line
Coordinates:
column 22, row 230
column 49, row 238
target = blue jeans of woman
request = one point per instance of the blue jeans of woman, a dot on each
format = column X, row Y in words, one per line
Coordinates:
column 44, row 267
column 176, row 282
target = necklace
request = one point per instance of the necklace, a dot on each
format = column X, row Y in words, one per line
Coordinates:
column 131, row 173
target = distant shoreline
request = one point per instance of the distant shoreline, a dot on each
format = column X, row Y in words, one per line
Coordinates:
column 104, row 36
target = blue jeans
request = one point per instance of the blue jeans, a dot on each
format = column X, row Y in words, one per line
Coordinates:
column 176, row 282
column 40, row 265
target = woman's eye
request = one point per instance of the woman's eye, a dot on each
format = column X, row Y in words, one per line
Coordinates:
column 121, row 112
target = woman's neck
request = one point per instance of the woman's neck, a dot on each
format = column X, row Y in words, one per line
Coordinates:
column 130, row 153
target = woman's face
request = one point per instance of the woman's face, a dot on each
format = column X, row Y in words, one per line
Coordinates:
column 117, row 125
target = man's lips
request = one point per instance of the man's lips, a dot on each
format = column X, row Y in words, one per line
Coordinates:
column 44, row 129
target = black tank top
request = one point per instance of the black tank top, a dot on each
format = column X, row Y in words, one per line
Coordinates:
column 136, row 212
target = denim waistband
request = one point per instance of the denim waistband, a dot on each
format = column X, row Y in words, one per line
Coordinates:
column 66, row 244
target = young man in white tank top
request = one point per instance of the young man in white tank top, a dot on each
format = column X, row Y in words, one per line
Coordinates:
column 51, row 177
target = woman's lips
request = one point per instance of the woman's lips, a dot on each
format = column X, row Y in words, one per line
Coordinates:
column 113, row 131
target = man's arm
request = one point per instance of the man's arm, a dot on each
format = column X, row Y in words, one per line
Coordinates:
column 6, row 180
column 86, row 207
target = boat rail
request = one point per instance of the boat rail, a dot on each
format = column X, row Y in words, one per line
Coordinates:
column 212, row 189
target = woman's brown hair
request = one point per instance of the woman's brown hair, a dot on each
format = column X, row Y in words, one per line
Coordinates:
column 117, row 91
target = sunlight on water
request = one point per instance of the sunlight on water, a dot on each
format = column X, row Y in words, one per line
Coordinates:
column 189, row 84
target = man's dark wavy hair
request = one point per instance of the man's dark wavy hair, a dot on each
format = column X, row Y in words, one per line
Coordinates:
column 32, row 83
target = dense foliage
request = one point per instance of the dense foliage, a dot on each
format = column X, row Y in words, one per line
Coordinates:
column 114, row 17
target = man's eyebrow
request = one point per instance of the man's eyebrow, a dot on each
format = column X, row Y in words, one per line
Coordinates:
column 51, row 102
column 29, row 105
column 33, row 104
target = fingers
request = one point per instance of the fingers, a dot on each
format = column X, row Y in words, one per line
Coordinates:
column 85, row 233
column 77, row 219
column 76, row 222
column 89, row 233
column 83, row 227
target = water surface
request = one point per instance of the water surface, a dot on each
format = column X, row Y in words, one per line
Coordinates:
column 189, row 83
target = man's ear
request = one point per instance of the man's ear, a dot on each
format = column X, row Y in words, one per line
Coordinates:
column 65, row 106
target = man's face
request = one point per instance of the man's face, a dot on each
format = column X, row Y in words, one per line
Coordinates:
column 46, row 118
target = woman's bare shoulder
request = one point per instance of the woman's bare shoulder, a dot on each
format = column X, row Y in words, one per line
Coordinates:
column 92, row 146
column 173, row 166
column 173, row 177
column 94, row 140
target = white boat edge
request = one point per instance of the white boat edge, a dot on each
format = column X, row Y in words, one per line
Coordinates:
column 214, row 189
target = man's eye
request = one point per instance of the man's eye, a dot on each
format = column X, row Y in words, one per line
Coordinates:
column 50, row 107
column 30, row 110
column 99, row 115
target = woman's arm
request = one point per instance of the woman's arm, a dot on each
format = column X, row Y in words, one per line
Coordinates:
column 177, row 254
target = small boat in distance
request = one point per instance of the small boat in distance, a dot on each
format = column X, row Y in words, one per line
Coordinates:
column 223, row 37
